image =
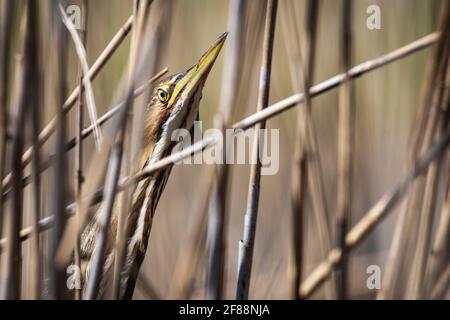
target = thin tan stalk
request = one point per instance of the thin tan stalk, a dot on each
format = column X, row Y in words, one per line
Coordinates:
column 87, row 84
column 439, row 253
column 442, row 284
column 306, row 164
column 345, row 151
column 134, row 139
column 125, row 196
column 299, row 165
column 78, row 165
column 431, row 186
column 114, row 167
column 59, row 183
column 401, row 250
column 7, row 10
column 217, row 216
column 13, row 268
column 36, row 105
column 246, row 245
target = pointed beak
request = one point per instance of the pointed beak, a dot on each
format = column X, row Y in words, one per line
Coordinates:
column 199, row 71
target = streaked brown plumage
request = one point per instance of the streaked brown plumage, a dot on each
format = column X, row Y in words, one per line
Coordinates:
column 174, row 104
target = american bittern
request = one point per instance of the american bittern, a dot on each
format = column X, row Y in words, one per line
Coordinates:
column 174, row 104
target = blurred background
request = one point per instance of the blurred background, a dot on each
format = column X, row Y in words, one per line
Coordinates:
column 385, row 101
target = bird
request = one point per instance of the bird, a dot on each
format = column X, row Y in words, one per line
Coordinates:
column 174, row 104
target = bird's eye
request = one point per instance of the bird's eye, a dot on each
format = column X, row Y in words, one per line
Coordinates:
column 163, row 95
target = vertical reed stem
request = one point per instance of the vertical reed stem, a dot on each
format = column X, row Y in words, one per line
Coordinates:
column 345, row 150
column 78, row 166
column 218, row 211
column 246, row 245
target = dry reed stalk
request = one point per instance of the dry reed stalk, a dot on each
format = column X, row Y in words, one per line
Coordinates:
column 431, row 184
column 59, row 184
column 439, row 253
column 28, row 74
column 36, row 106
column 299, row 165
column 98, row 65
column 208, row 142
column 87, row 84
column 405, row 231
column 310, row 145
column 345, row 151
column 442, row 284
column 252, row 38
column 7, row 14
column 141, row 50
column 78, row 165
column 217, row 216
column 307, row 164
column 373, row 217
column 162, row 11
column 247, row 243
column 125, row 196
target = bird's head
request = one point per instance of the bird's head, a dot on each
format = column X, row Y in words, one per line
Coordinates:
column 174, row 104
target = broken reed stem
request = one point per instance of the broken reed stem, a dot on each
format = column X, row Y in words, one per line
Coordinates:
column 345, row 151
column 249, row 121
column 246, row 245
column 372, row 218
column 104, row 57
column 217, row 215
column 87, row 84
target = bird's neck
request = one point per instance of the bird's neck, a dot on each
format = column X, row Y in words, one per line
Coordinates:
column 139, row 223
